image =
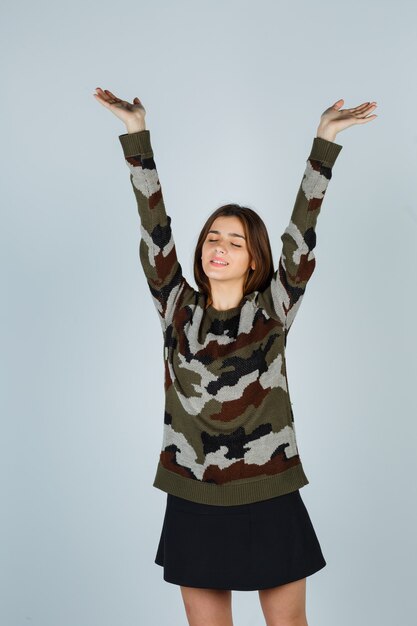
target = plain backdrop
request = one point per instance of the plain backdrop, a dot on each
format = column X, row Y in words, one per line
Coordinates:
column 234, row 91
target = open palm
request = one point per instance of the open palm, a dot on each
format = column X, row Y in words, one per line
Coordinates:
column 336, row 119
column 123, row 109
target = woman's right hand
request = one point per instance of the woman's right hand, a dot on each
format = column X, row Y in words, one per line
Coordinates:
column 133, row 115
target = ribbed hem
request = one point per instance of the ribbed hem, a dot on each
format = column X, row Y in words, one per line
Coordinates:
column 136, row 143
column 325, row 151
column 244, row 492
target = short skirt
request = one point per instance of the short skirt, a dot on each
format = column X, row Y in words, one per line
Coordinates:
column 242, row 547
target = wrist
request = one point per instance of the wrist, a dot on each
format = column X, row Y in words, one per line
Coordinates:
column 325, row 133
column 135, row 127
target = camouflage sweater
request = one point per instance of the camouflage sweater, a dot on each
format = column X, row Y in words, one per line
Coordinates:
column 229, row 435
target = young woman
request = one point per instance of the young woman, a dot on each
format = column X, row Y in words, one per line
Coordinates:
column 229, row 463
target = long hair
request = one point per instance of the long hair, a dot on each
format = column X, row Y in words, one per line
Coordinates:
column 258, row 245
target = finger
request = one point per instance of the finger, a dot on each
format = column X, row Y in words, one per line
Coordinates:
column 104, row 99
column 112, row 95
column 366, row 119
column 100, row 97
column 365, row 112
column 366, row 106
column 101, row 92
column 112, row 99
column 358, row 108
column 103, row 95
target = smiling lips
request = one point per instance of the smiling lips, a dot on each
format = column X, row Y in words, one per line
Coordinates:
column 218, row 262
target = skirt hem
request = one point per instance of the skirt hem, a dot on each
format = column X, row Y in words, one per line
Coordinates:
column 253, row 587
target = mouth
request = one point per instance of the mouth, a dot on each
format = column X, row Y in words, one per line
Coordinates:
column 218, row 263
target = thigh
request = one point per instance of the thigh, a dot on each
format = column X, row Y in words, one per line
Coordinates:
column 284, row 604
column 207, row 607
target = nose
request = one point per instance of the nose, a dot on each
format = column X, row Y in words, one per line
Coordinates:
column 220, row 246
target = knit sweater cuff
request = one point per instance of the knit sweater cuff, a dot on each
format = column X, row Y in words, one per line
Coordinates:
column 136, row 143
column 324, row 151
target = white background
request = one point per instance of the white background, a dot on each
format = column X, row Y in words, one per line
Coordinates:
column 233, row 92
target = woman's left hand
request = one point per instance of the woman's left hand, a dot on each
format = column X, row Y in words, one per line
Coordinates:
column 334, row 119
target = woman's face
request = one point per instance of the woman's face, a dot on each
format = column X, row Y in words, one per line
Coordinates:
column 226, row 242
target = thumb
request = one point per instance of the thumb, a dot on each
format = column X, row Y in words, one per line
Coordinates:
column 338, row 104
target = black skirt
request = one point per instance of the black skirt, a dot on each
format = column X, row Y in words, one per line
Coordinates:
column 243, row 547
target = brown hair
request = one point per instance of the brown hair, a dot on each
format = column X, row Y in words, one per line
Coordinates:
column 258, row 244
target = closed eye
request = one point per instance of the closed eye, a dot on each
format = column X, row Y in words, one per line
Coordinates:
column 233, row 244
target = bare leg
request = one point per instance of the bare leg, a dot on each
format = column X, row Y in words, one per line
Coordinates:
column 285, row 605
column 207, row 607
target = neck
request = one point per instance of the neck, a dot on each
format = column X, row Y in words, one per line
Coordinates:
column 225, row 298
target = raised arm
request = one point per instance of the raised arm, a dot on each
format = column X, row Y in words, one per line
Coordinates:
column 282, row 298
column 157, row 248
column 297, row 261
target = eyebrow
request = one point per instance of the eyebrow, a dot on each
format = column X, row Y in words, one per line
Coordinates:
column 231, row 234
